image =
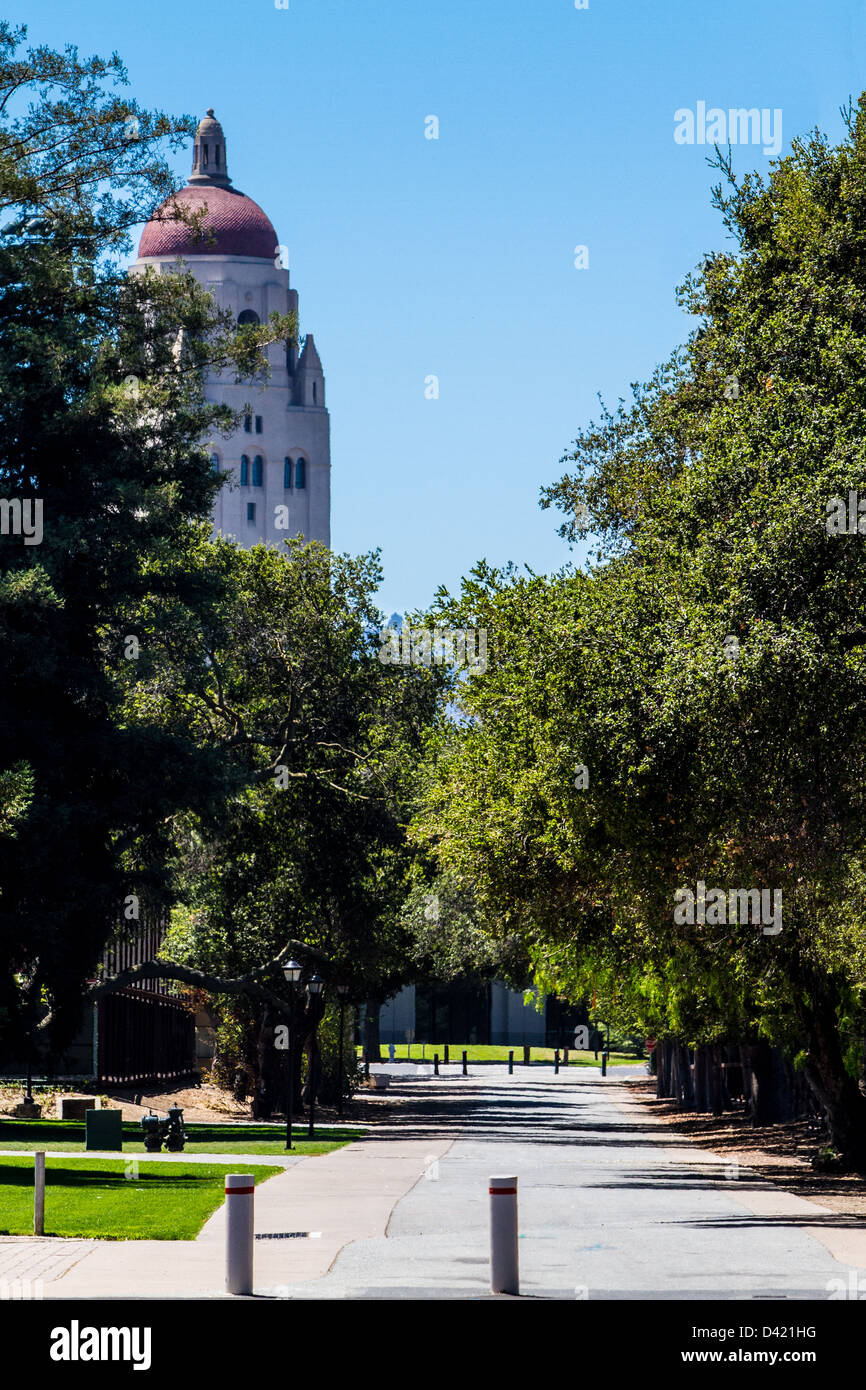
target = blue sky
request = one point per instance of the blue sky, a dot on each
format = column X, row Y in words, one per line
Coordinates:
column 455, row 257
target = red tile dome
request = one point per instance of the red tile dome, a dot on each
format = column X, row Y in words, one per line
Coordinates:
column 237, row 224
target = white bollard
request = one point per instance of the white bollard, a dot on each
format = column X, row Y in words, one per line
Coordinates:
column 240, row 1239
column 39, row 1192
column 504, row 1271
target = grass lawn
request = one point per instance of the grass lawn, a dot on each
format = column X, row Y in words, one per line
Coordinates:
column 67, row 1136
column 98, row 1197
column 483, row 1052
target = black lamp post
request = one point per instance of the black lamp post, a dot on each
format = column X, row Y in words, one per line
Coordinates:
column 315, row 984
column 342, row 991
column 292, row 972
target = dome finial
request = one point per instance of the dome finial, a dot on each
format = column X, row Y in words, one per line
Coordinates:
column 209, row 161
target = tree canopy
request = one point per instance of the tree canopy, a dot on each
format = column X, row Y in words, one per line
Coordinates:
column 102, row 421
column 706, row 668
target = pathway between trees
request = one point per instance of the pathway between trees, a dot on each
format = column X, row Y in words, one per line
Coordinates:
column 611, row 1206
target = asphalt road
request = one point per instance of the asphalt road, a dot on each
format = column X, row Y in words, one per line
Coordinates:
column 612, row 1206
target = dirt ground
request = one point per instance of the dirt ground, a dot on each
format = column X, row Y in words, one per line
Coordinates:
column 205, row 1104
column 781, row 1153
column 210, row 1104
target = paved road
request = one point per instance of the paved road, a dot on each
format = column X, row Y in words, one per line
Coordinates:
column 611, row 1206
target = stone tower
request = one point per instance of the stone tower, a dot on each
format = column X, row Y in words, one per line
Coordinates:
column 281, row 456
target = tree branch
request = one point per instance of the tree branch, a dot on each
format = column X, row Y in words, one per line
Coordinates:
column 203, row 979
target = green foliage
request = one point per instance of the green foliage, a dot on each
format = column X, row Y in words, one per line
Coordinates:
column 16, row 793
column 333, row 1081
column 708, row 493
column 124, row 483
column 319, row 742
column 448, row 936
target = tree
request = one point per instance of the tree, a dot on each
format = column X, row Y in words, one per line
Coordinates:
column 282, row 683
column 707, row 668
column 102, row 420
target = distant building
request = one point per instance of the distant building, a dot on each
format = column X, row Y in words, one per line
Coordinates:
column 466, row 1012
column 279, row 461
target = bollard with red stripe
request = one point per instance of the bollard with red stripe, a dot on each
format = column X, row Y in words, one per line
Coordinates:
column 240, row 1239
column 504, row 1272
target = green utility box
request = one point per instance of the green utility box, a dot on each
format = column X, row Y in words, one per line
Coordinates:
column 103, row 1129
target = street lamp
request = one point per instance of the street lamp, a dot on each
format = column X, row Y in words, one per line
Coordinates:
column 292, row 972
column 342, row 991
column 315, row 984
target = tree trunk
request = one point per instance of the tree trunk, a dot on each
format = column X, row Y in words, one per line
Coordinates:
column 251, row 1063
column 768, row 1080
column 335, row 1084
column 297, row 1061
column 715, row 1077
column 682, row 1088
column 838, row 1093
column 702, row 1084
column 806, row 1103
column 760, row 1082
column 689, row 1077
column 311, row 1088
column 724, row 1096
column 665, row 1083
column 372, row 1047
column 783, row 1087
column 661, row 1069
column 265, row 1098
column 746, row 1064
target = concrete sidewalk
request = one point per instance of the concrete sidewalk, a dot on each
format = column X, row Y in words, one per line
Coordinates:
column 612, row 1205
column 320, row 1202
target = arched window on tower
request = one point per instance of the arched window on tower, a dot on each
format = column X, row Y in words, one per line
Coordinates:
column 315, row 396
column 287, row 473
column 301, row 473
column 258, row 471
column 247, row 316
column 245, row 471
column 215, row 463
